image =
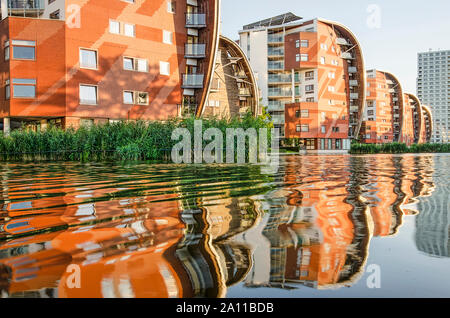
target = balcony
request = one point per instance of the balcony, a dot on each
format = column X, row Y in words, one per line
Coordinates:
column 347, row 56
column 244, row 92
column 193, row 80
column 195, row 20
column 354, row 109
column 354, row 95
column 276, row 66
column 353, row 83
column 280, row 78
column 195, row 51
column 275, row 52
column 342, row 41
column 352, row 69
column 275, row 38
column 278, row 119
column 280, row 93
column 276, row 106
column 26, row 8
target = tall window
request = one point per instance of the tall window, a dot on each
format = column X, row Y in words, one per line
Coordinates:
column 24, row 88
column 129, row 29
column 164, row 68
column 304, row 43
column 88, row 94
column 171, row 6
column 7, row 51
column 88, row 58
column 114, row 27
column 24, row 50
column 167, row 37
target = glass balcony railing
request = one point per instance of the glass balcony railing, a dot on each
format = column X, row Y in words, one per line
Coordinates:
column 25, row 8
column 276, row 66
column 195, row 50
column 276, row 106
column 195, row 20
column 275, row 52
column 275, row 78
column 280, row 93
column 275, row 38
column 193, row 80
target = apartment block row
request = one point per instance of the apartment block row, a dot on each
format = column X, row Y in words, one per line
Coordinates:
column 71, row 63
column 313, row 80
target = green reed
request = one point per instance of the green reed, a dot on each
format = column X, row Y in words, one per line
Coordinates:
column 358, row 148
column 127, row 140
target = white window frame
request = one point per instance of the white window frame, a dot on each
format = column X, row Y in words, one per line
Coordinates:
column 96, row 94
column 96, row 58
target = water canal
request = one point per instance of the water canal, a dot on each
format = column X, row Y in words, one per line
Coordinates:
column 317, row 226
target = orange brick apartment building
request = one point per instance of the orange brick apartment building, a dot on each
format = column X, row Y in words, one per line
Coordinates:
column 91, row 61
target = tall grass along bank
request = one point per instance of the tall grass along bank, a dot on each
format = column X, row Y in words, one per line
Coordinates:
column 358, row 148
column 113, row 141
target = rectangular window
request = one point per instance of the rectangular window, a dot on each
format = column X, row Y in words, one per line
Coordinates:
column 135, row 64
column 114, row 27
column 167, row 37
column 298, row 128
column 304, row 57
column 142, row 65
column 323, row 129
column 310, row 100
column 7, row 91
column 305, row 128
column 142, row 98
column 309, row 88
column 297, row 113
column 304, row 43
column 88, row 59
column 24, row 88
column 305, row 113
column 88, row 94
column 309, row 75
column 297, row 43
column 7, row 53
column 128, row 63
column 171, row 6
column 129, row 29
column 128, row 97
column 297, row 57
column 164, row 68
column 322, row 60
column 24, row 50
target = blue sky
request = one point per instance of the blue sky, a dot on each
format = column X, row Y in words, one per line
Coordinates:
column 391, row 43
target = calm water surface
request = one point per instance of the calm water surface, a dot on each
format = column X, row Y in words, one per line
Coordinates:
column 319, row 226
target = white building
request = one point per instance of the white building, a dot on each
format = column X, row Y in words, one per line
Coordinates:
column 433, row 89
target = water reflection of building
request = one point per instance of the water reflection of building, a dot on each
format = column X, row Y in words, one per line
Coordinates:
column 132, row 248
column 433, row 223
column 312, row 232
